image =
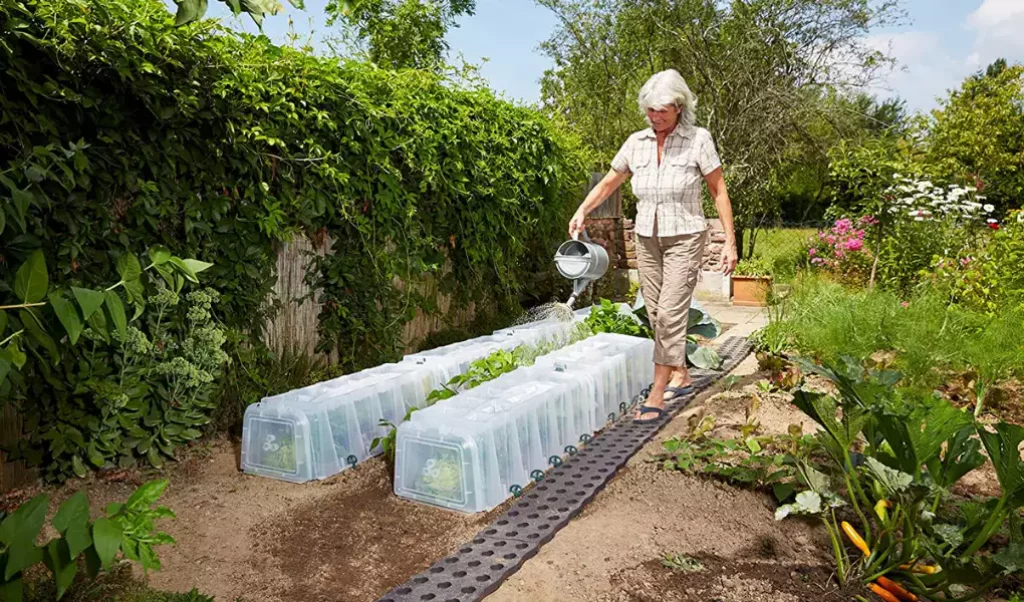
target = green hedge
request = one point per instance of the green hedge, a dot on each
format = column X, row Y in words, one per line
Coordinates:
column 119, row 131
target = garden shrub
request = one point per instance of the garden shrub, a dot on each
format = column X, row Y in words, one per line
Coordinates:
column 120, row 131
column 988, row 279
column 901, row 233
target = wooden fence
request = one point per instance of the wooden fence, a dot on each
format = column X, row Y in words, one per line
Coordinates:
column 612, row 206
column 295, row 324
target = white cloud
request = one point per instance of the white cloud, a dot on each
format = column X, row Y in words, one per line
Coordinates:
column 924, row 70
column 998, row 26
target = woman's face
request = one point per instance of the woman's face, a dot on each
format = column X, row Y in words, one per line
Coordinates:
column 663, row 118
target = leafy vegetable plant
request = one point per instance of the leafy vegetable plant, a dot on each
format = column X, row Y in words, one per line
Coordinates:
column 892, row 456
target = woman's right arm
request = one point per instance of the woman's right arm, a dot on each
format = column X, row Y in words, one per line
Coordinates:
column 604, row 189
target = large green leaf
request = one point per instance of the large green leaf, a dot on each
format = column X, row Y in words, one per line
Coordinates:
column 62, row 564
column 18, row 532
column 31, row 281
column 159, row 254
column 37, row 334
column 189, row 10
column 88, row 300
column 98, row 322
column 72, row 520
column 916, row 437
column 702, row 357
column 708, row 331
column 67, row 313
column 184, row 269
column 1003, row 447
column 13, row 590
column 963, row 454
column 894, row 481
column 3, row 321
column 5, row 365
column 807, row 503
column 147, row 494
column 694, row 317
column 106, row 535
column 3, row 220
column 197, row 266
column 116, row 312
column 128, row 266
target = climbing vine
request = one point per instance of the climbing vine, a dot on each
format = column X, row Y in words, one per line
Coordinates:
column 120, row 131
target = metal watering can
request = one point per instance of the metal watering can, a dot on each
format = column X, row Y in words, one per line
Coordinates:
column 580, row 261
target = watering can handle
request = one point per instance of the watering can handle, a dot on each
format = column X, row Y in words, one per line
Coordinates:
column 583, row 231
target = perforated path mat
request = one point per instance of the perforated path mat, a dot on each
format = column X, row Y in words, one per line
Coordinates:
column 477, row 568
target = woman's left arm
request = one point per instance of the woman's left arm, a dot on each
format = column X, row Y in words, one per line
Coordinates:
column 716, row 186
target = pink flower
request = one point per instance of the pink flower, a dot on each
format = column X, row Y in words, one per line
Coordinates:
column 868, row 220
column 854, row 244
column 812, row 251
column 840, row 254
column 965, row 260
column 905, row 304
column 842, row 226
column 817, row 261
column 830, row 239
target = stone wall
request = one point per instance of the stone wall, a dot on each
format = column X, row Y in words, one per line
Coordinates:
column 715, row 246
column 617, row 234
column 610, row 233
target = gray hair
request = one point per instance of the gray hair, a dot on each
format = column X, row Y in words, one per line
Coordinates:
column 668, row 88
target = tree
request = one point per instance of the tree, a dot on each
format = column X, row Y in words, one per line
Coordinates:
column 763, row 70
column 977, row 134
column 400, row 34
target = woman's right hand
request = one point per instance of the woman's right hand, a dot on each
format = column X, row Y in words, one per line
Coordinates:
column 576, row 224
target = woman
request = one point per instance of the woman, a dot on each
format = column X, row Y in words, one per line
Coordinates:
column 667, row 162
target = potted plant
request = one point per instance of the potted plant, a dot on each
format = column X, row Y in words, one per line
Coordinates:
column 751, row 282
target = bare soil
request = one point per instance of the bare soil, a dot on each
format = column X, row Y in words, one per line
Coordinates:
column 349, row 539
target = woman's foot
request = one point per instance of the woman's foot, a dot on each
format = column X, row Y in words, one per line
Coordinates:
column 676, row 386
column 653, row 401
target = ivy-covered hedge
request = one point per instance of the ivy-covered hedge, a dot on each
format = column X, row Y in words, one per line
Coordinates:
column 119, row 131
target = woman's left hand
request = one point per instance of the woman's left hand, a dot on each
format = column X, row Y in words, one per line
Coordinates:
column 729, row 258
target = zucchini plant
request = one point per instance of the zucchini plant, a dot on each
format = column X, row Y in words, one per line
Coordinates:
column 892, row 457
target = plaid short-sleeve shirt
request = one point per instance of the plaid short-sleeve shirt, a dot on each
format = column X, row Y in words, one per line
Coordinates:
column 671, row 192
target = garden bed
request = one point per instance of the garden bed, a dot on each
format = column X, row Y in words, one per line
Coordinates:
column 349, row 538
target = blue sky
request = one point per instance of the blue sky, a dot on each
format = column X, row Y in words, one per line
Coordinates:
column 944, row 41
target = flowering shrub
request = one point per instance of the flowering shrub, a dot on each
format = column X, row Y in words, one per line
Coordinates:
column 842, row 251
column 989, row 278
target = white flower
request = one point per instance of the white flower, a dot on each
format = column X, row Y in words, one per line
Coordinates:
column 918, row 219
column 989, row 208
column 914, row 213
column 991, row 221
column 970, row 189
column 1020, row 217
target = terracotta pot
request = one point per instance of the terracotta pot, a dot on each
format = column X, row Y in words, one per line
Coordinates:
column 750, row 291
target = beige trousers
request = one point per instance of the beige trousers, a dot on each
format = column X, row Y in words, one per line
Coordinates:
column 669, row 267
